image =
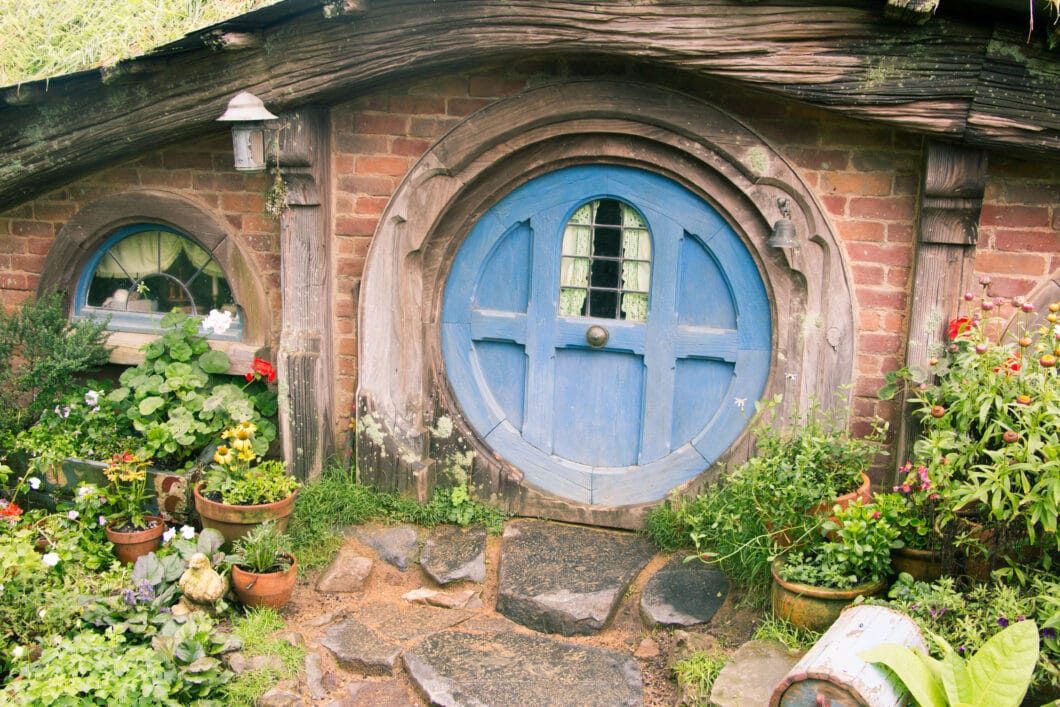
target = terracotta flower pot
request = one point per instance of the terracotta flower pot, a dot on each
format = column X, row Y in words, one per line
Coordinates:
column 813, row 608
column 864, row 492
column 233, row 522
column 923, row 565
column 130, row 545
column 271, row 590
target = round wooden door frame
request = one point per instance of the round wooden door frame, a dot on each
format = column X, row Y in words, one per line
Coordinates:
column 409, row 425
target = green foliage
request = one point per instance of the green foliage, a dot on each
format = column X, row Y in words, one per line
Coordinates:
column 62, row 36
column 997, row 675
column 774, row 628
column 697, row 673
column 965, row 617
column 96, row 669
column 256, row 630
column 665, row 526
column 179, row 400
column 991, row 421
column 264, row 549
column 41, row 355
column 742, row 521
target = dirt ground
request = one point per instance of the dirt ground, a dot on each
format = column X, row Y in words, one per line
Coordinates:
column 386, row 584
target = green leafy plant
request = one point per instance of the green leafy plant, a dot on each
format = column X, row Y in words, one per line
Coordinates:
column 742, row 521
column 42, row 353
column 696, row 675
column 997, row 675
column 991, row 423
column 126, row 491
column 237, row 477
column 856, row 549
column 912, row 508
column 264, row 549
column 179, row 399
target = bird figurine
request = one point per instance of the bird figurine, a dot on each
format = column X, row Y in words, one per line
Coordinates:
column 200, row 583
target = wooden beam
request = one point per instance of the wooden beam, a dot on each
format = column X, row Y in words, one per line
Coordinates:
column 910, row 12
column 947, row 79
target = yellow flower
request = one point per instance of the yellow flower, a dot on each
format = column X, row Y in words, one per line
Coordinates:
column 248, row 426
column 241, row 444
column 228, row 433
column 223, row 455
column 247, row 455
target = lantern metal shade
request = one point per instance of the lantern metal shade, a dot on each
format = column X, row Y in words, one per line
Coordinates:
column 248, row 115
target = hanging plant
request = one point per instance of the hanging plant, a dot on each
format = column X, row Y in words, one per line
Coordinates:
column 276, row 194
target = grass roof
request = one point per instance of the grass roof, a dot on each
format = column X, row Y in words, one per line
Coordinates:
column 44, row 38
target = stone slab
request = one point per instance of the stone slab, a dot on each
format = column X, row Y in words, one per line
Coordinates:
column 346, row 573
column 357, row 647
column 451, row 554
column 455, row 668
column 404, row 623
column 375, row 694
column 748, row 680
column 566, row 579
column 683, row 594
column 397, row 545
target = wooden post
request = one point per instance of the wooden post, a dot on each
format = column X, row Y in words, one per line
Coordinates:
column 305, row 354
column 951, row 197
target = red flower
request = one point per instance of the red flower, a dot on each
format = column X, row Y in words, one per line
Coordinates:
column 249, row 376
column 262, row 368
column 10, row 510
column 1012, row 364
column 960, row 326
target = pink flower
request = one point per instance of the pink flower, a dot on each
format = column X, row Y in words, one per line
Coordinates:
column 906, row 488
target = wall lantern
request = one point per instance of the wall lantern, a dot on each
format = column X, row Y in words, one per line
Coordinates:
column 248, row 116
column 784, row 229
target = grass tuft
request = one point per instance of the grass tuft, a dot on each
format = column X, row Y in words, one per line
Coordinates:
column 774, row 628
column 696, row 675
column 44, row 39
column 257, row 629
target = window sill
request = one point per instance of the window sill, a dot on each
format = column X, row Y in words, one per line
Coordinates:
column 126, row 350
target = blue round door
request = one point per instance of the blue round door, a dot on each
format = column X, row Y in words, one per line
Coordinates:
column 603, row 330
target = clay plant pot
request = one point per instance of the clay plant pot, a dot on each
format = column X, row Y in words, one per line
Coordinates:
column 813, row 608
column 864, row 492
column 923, row 565
column 233, row 522
column 271, row 590
column 130, row 545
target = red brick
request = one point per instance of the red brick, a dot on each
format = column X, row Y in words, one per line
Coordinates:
column 1014, row 216
column 180, row 159
column 1019, row 240
column 166, row 178
column 11, row 299
column 119, row 175
column 28, row 263
column 455, row 85
column 879, row 342
column 13, row 244
column 860, row 183
column 417, row 105
column 1011, row 286
column 896, row 208
column 431, row 127
column 879, row 254
column 1056, row 219
column 32, row 228
column 53, row 211
column 370, row 205
column 867, row 274
column 17, row 281
column 869, row 364
column 389, row 166
column 344, row 164
column 358, row 144
column 1010, row 263
column 220, row 182
column 39, row 246
column 347, row 347
column 868, row 320
column 355, row 226
column 409, row 147
column 883, row 299
column 816, row 158
column 347, row 366
column 260, row 222
column 371, row 185
column 371, row 101
column 494, row 86
column 1031, row 193
column 380, row 124
column 898, row 277
column 836, row 205
column 465, row 106
column 349, row 267
column 893, row 321
column 243, row 201
column 898, row 232
column 259, row 242
column 353, row 245
column 906, row 186
column 344, row 325
column 344, row 308
column 872, row 231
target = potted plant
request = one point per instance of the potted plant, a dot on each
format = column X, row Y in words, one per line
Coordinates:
column 179, row 398
column 912, row 508
column 133, row 533
column 782, row 494
column 991, row 428
column 239, row 491
column 850, row 558
column 263, row 570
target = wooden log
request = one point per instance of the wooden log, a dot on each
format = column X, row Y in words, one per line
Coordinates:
column 929, row 79
column 910, row 12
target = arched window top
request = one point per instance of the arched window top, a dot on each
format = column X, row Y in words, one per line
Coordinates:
column 143, row 271
column 605, row 268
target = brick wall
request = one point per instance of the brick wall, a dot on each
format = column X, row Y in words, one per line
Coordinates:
column 866, row 178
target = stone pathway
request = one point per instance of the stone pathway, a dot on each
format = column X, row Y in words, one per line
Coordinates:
column 406, row 616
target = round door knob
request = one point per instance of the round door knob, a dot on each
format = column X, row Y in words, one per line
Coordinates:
column 596, row 336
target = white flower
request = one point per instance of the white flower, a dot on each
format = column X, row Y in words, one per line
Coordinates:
column 18, row 651
column 218, row 322
column 50, row 560
column 85, row 490
column 169, row 535
column 740, row 403
column 34, row 482
column 72, row 515
column 187, row 532
column 102, row 520
column 92, row 398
